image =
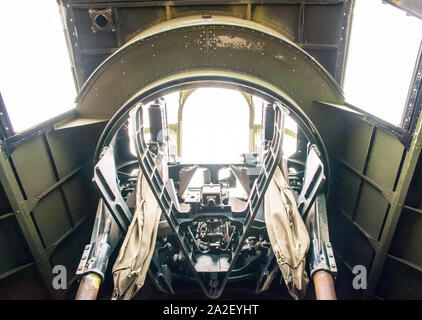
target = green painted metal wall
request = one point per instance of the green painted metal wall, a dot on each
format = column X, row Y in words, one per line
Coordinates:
column 46, row 210
column 375, row 217
column 401, row 276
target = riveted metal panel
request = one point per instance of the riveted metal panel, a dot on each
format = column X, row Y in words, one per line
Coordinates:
column 77, row 194
column 371, row 210
column 349, row 242
column 284, row 18
column 88, row 39
column 51, row 218
column 357, row 144
column 238, row 11
column 339, row 230
column 220, row 46
column 357, row 249
column 347, row 192
column 33, row 167
column 54, row 202
column 25, row 284
column 406, row 242
column 134, row 20
column 344, row 283
column 318, row 30
column 66, row 150
column 291, row 18
column 73, row 147
column 327, row 57
column 14, row 251
column 385, row 159
column 399, row 281
column 68, row 253
column 332, row 125
column 91, row 62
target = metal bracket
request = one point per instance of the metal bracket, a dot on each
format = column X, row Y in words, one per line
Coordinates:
column 102, row 20
column 265, row 271
column 321, row 255
column 160, row 275
column 94, row 261
column 96, row 254
column 314, row 179
column 216, row 281
column 102, row 243
column 105, row 178
column 389, row 195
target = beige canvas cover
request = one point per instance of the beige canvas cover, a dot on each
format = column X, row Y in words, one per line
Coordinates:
column 286, row 230
column 131, row 266
column 287, row 233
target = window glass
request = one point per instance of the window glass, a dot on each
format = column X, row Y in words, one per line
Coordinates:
column 172, row 103
column 290, row 137
column 383, row 47
column 36, row 81
column 215, row 126
column 257, row 104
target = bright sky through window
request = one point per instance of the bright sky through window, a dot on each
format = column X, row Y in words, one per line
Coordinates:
column 382, row 54
column 215, row 126
column 35, row 79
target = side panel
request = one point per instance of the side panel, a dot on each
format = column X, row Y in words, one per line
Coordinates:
column 402, row 275
column 371, row 223
column 45, row 210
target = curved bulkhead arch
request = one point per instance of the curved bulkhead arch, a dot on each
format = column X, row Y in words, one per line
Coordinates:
column 180, row 51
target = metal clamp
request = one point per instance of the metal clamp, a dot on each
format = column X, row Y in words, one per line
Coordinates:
column 95, row 256
column 321, row 255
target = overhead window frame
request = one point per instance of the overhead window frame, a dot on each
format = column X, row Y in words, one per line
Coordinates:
column 413, row 106
column 13, row 140
column 411, row 113
column 6, row 128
